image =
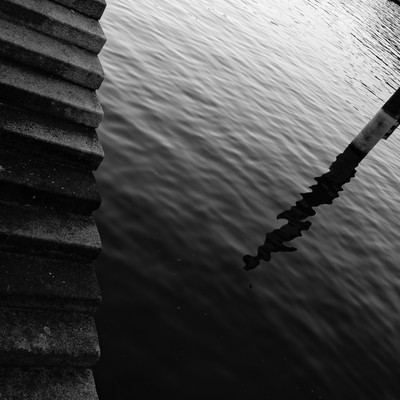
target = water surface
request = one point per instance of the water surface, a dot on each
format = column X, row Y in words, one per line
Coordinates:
column 218, row 115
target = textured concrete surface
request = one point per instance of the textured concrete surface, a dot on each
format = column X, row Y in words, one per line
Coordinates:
column 48, row 232
column 34, row 49
column 36, row 182
column 28, row 281
column 49, row 293
column 47, row 384
column 92, row 8
column 28, row 88
column 43, row 136
column 56, row 21
column 47, row 338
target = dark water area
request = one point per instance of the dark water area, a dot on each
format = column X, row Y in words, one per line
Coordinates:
column 218, row 117
column 324, row 192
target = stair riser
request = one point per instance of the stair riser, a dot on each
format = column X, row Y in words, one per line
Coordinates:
column 24, row 144
column 12, row 192
column 47, row 384
column 47, row 338
column 91, row 8
column 27, row 133
column 54, row 66
column 90, row 38
column 36, row 101
column 33, row 245
column 49, row 233
column 41, row 283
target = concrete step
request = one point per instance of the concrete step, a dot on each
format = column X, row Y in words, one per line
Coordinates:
column 47, row 232
column 27, row 180
column 28, row 281
column 34, row 49
column 47, row 338
column 47, row 384
column 91, row 8
column 39, row 136
column 56, row 21
column 30, row 89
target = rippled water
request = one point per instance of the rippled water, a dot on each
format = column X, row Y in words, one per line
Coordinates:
column 218, row 115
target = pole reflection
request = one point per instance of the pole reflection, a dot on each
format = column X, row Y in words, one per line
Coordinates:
column 324, row 192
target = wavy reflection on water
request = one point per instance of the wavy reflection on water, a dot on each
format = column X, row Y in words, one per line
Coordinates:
column 324, row 192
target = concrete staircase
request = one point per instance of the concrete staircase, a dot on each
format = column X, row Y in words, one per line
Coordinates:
column 36, row 50
column 49, row 71
column 56, row 21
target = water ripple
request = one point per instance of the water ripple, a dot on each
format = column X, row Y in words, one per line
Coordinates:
column 218, row 114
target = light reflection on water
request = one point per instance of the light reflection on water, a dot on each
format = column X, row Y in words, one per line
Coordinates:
column 217, row 115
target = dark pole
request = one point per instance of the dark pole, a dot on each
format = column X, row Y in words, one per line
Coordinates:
column 329, row 184
column 381, row 126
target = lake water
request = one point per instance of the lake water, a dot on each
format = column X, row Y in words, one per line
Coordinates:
column 218, row 115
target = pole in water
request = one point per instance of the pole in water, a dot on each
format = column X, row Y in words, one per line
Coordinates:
column 381, row 126
column 330, row 184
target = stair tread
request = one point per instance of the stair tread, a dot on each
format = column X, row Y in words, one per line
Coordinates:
column 30, row 181
column 28, row 88
column 37, row 230
column 47, row 383
column 43, row 52
column 38, row 282
column 47, row 338
column 92, row 8
column 62, row 140
column 56, row 21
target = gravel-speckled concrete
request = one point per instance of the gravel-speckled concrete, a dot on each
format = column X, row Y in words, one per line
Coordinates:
column 45, row 53
column 56, row 21
column 45, row 231
column 36, row 91
column 47, row 384
column 92, row 8
column 47, row 338
column 36, row 182
column 43, row 136
column 49, row 72
column 34, row 282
